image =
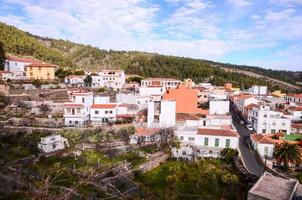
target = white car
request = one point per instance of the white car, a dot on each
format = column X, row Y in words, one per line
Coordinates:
column 250, row 127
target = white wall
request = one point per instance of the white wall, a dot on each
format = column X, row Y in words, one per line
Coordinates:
column 219, row 107
column 101, row 99
column 167, row 116
column 148, row 91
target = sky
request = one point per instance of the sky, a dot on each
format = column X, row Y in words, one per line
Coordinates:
column 265, row 33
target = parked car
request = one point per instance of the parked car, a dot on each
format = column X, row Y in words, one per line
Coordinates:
column 250, row 127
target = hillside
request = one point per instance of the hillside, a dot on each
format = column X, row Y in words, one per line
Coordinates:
column 68, row 54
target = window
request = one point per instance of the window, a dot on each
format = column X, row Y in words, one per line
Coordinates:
column 273, row 131
column 191, row 138
column 206, row 141
column 227, row 143
column 265, row 115
column 184, row 153
column 204, row 123
column 110, row 112
column 31, row 74
column 106, row 111
column 181, row 137
column 78, row 110
column 216, row 142
column 96, row 112
column 83, row 100
column 39, row 68
column 283, row 124
column 263, row 130
column 48, row 74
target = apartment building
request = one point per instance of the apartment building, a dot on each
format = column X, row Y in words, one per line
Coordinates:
column 258, row 90
column 77, row 110
column 266, row 121
column 114, row 79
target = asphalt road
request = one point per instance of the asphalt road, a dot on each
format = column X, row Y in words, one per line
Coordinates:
column 248, row 158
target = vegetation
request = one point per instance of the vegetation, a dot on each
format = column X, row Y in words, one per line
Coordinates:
column 287, row 153
column 44, row 108
column 68, row 54
column 206, row 179
column 88, row 80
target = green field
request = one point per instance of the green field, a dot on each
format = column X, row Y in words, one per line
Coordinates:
column 182, row 180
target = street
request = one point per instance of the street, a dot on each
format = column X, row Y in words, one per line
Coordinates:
column 248, row 158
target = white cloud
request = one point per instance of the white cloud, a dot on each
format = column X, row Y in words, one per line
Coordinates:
column 239, row 3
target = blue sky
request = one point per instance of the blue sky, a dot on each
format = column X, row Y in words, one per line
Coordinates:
column 266, row 33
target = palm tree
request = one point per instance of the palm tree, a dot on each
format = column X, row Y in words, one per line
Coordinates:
column 287, row 153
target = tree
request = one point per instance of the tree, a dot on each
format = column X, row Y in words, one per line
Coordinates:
column 44, row 108
column 2, row 56
column 101, row 89
column 88, row 80
column 228, row 154
column 37, row 83
column 229, row 178
column 287, row 153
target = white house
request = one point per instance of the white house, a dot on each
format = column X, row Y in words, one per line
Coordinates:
column 110, row 112
column 145, row 135
column 74, row 80
column 258, row 90
column 263, row 144
column 296, row 113
column 160, row 82
column 219, row 106
column 77, row 111
column 101, row 99
column 161, row 114
column 133, row 98
column 52, row 143
column 266, row 121
column 114, row 79
column 244, row 100
column 204, row 142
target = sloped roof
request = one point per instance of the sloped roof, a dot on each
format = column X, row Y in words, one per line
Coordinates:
column 259, row 138
column 146, row 131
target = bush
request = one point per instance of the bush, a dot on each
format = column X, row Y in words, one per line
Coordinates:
column 228, row 154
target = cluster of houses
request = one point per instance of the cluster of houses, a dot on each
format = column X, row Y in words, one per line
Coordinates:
column 272, row 116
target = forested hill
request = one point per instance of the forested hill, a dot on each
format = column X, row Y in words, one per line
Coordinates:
column 68, row 54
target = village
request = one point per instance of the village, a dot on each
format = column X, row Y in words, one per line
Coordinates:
column 110, row 134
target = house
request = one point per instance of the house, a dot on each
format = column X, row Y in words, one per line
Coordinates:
column 114, row 79
column 17, row 65
column 204, row 141
column 219, row 107
column 160, row 82
column 52, row 143
column 42, row 71
column 74, row 80
column 296, row 113
column 296, row 128
column 77, row 110
column 145, row 135
column 258, row 90
column 6, row 75
column 133, row 98
column 186, row 99
column 266, row 121
column 110, row 112
column 295, row 98
column 244, row 100
column 161, row 114
column 269, row 187
column 263, row 144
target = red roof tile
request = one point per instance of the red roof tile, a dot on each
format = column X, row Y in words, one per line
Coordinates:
column 217, row 132
column 41, row 65
column 146, row 131
column 259, row 138
column 295, row 95
column 25, row 60
column 103, row 106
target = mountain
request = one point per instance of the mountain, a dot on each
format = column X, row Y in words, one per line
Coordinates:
column 69, row 54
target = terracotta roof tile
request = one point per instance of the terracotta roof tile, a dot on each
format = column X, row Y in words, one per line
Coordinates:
column 146, row 131
column 103, row 106
column 217, row 132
